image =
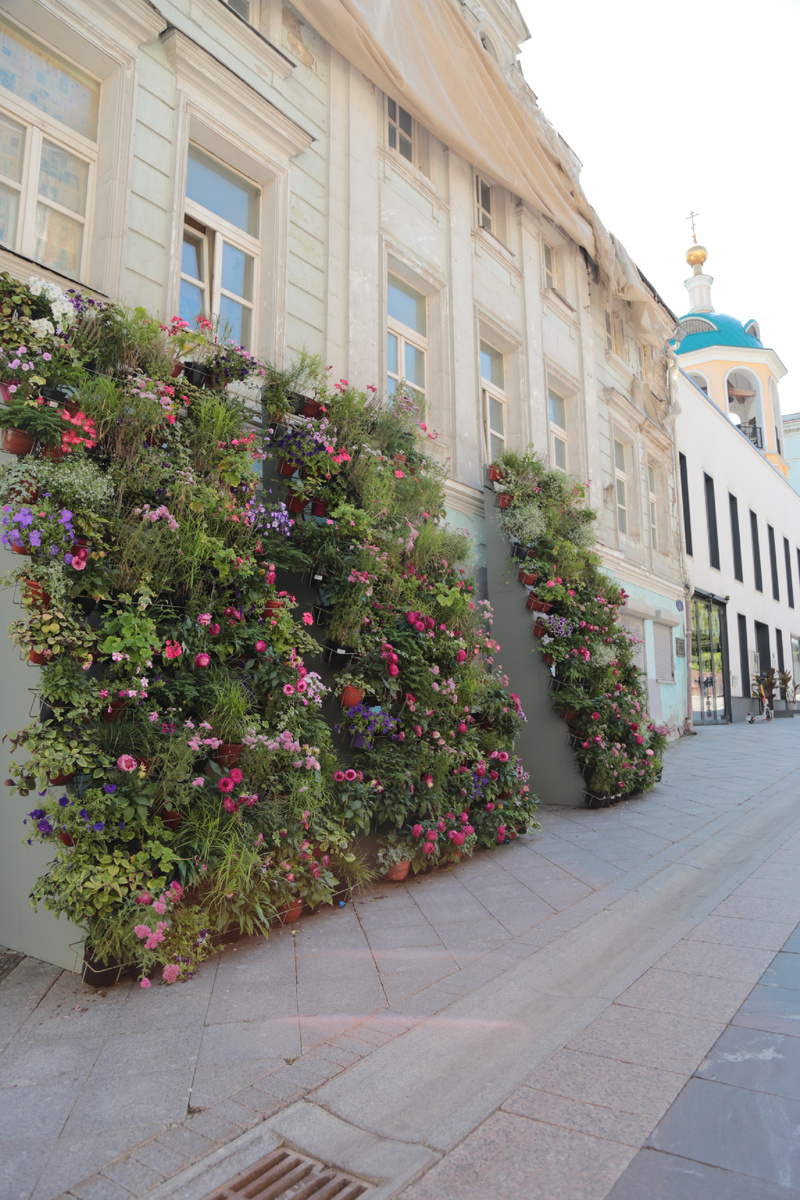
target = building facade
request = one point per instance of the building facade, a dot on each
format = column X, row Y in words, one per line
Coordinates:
column 265, row 163
column 740, row 514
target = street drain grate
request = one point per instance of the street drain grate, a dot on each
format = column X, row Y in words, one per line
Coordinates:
column 286, row 1176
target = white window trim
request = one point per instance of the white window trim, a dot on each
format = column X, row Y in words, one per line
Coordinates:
column 652, row 510
column 556, row 432
column 406, row 335
column 658, row 627
column 258, row 141
column 108, row 49
column 622, row 477
column 414, row 160
column 219, row 230
column 549, row 274
column 482, row 214
column 490, row 391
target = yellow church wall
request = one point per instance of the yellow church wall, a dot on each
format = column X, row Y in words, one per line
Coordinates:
column 716, row 371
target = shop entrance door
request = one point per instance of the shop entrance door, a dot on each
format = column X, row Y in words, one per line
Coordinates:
column 709, row 662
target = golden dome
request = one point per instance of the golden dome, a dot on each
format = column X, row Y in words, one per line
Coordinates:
column 696, row 255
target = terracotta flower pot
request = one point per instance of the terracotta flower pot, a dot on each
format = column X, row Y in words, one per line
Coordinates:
column 39, row 657
column 114, row 710
column 398, row 871
column 228, row 754
column 296, row 504
column 272, row 606
column 34, row 594
column 5, row 395
column 569, row 715
column 61, row 778
column 494, row 474
column 399, row 459
column 14, row 441
column 351, row 696
column 527, row 577
column 71, row 407
column 171, row 819
column 548, row 658
column 18, row 548
column 286, row 468
column 26, row 494
column 311, row 408
column 176, row 369
column 504, row 500
column 66, row 838
column 534, row 604
column 291, row 912
column 539, row 630
column 319, row 508
column 53, row 454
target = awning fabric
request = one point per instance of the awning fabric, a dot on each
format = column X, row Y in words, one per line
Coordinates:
column 422, row 53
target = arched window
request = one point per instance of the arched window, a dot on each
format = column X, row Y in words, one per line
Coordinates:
column 699, row 380
column 745, row 406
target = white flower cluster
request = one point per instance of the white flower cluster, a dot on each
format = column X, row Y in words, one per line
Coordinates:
column 42, row 328
column 60, row 307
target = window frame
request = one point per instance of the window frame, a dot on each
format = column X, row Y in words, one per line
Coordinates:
column 550, row 276
column 41, row 127
column 558, row 433
column 652, row 499
column 405, row 334
column 218, row 231
column 393, row 123
column 481, row 211
column 491, row 391
column 621, row 478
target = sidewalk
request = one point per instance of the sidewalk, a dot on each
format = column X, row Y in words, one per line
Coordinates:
column 536, row 1011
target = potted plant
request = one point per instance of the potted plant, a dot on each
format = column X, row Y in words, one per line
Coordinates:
column 352, row 688
column 230, row 720
column 36, row 420
column 394, row 858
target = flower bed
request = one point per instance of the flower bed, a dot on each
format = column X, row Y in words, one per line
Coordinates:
column 205, row 784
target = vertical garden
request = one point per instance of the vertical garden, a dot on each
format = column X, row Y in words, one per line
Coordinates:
column 208, row 753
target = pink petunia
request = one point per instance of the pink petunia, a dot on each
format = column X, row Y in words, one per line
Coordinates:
column 127, row 763
column 308, row 619
column 288, row 689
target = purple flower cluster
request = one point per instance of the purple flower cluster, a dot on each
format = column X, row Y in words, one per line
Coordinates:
column 27, row 527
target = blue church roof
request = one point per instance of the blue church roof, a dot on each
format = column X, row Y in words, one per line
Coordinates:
column 727, row 331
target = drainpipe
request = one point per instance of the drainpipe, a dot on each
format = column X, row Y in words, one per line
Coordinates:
column 672, row 370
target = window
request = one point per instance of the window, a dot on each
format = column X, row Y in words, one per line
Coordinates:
column 687, row 515
column 400, row 130
column 240, row 7
column 483, row 204
column 494, row 400
column 549, row 265
column 609, row 328
column 756, row 551
column 641, row 361
column 738, row 570
column 407, row 337
column 699, row 381
column 653, row 506
column 662, row 646
column 779, row 648
column 744, row 658
column 621, row 487
column 787, row 559
column 711, row 518
column 557, row 406
column 635, row 627
column 220, row 255
column 773, row 563
column 796, row 658
column 48, row 153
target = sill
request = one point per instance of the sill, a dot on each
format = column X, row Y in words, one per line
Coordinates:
column 621, row 363
column 559, row 304
column 392, row 161
column 10, row 261
column 492, row 244
column 251, row 39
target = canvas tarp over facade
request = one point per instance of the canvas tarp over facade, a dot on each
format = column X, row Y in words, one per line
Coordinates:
column 422, row 53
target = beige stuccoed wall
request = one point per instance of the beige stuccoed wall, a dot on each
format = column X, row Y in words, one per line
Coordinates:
column 36, row 933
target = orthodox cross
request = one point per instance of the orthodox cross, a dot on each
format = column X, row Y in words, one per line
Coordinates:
column 691, row 218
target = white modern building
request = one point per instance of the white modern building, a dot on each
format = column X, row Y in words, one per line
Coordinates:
column 740, row 514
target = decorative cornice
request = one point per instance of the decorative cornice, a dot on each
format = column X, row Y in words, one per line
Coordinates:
column 205, row 75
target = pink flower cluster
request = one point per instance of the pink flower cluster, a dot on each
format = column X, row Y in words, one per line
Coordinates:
column 390, row 658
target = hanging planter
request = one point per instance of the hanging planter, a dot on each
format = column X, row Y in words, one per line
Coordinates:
column 504, row 500
column 39, row 657
column 100, row 975
column 196, row 374
column 569, row 716
column 227, row 754
column 21, row 548
column 61, row 778
column 286, row 468
column 534, row 604
column 113, row 711
column 34, row 594
column 15, row 441
column 539, row 630
column 350, row 696
column 310, row 408
column 494, row 474
column 548, row 658
column 296, row 504
column 271, row 607
column 319, row 508
column 65, row 838
column 56, row 395
column 527, row 577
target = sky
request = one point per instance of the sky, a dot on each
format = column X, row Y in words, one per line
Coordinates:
column 681, row 106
